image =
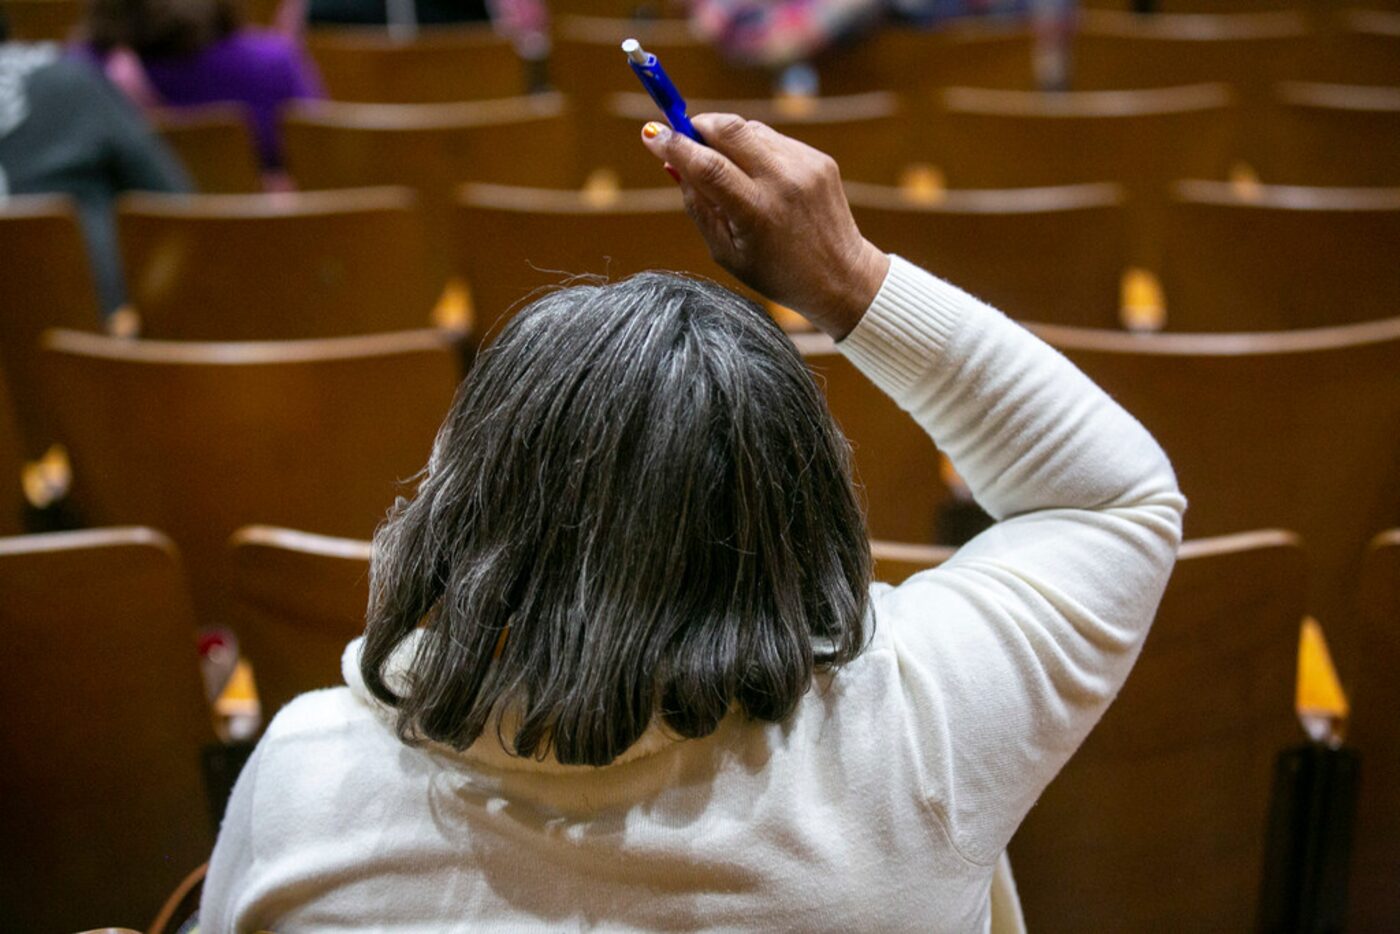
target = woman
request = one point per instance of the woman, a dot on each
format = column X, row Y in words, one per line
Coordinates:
column 623, row 665
column 185, row 53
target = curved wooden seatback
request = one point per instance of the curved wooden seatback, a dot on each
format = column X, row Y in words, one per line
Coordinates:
column 102, row 807
column 437, row 65
column 214, row 144
column 1333, row 134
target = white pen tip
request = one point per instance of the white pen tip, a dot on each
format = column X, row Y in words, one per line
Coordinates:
column 633, row 48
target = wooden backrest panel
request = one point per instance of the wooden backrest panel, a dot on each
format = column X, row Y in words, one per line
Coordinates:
column 203, row 439
column 215, row 145
column 1296, row 430
column 896, row 463
column 1158, row 821
column 980, row 55
column 11, row 461
column 895, row 562
column 281, row 266
column 438, row 65
column 1332, row 134
column 45, row 282
column 101, row 804
column 1038, row 254
column 1373, row 899
column 299, row 599
column 42, row 20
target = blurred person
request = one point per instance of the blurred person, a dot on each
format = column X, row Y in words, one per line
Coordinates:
column 65, row 130
column 624, row 666
column 185, row 53
column 524, row 22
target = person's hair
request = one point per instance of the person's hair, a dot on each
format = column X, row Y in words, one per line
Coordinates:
column 640, row 496
column 159, row 28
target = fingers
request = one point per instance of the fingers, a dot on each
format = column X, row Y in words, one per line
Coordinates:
column 744, row 142
column 711, row 173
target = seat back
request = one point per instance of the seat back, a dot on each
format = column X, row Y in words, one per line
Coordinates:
column 45, row 282
column 42, row 20
column 1276, row 257
column 895, row 562
column 1039, row 254
column 1120, row 49
column 299, row 599
column 1158, row 821
column 897, row 467
column 513, row 241
column 865, row 133
column 432, row 148
column 1373, row 901
column 214, row 144
column 438, row 64
column 11, row 461
column 203, row 439
column 979, row 55
column 276, row 266
column 101, row 804
column 1296, row 430
column 1332, row 134
column 1363, row 47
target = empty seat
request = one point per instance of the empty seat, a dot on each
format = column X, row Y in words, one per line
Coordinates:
column 432, row 148
column 1331, row 134
column 1362, row 48
column 45, row 282
column 980, row 55
column 436, row 65
column 101, row 802
column 1373, row 899
column 203, row 439
column 512, row 241
column 1297, row 429
column 897, row 467
column 1275, row 257
column 1038, row 254
column 214, row 144
column 1118, row 49
column 276, row 266
column 299, row 599
column 1158, row 821
column 1143, row 139
column 866, row 133
column 42, row 20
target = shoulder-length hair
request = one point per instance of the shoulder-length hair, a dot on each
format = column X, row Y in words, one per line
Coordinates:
column 638, row 507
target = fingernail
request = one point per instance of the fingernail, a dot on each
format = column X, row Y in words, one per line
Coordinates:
column 671, row 171
column 656, row 131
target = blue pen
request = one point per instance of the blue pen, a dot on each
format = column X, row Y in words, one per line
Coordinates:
column 659, row 86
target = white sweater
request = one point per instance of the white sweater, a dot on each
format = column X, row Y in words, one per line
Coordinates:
column 886, row 800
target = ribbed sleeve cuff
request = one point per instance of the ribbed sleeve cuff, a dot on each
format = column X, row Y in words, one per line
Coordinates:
column 907, row 327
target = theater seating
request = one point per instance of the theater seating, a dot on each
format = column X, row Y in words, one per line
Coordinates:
column 1158, row 821
column 910, row 61
column 201, row 439
column 214, row 144
column 437, row 65
column 11, row 493
column 100, row 797
column 276, row 266
column 298, row 599
column 895, row 562
column 1039, row 254
column 42, row 20
column 1332, row 134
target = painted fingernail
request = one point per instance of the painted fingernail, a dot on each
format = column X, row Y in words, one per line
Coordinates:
column 671, row 171
column 654, row 130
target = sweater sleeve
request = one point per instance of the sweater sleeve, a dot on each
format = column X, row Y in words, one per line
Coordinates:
column 1010, row 652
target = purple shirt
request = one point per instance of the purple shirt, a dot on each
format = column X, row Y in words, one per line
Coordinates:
column 260, row 70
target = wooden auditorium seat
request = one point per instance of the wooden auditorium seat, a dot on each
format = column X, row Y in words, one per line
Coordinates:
column 1278, row 257
column 1143, row 139
column 101, row 801
column 215, row 146
column 1039, row 254
column 1331, row 134
column 11, row 463
column 432, row 148
column 279, row 266
column 1373, row 897
column 42, row 20
column 439, row 64
column 1158, row 821
column 971, row 54
column 865, row 133
column 298, row 599
column 1296, row 429
column 897, row 467
column 512, row 241
column 1116, row 49
column 201, row 439
column 1362, row 48
column 45, row 282
column 897, row 561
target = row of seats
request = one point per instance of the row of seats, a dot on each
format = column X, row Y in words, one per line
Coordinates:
column 1180, row 765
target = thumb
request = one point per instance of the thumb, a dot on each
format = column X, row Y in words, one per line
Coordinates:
column 708, row 171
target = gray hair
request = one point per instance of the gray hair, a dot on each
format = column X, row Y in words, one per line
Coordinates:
column 640, row 498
